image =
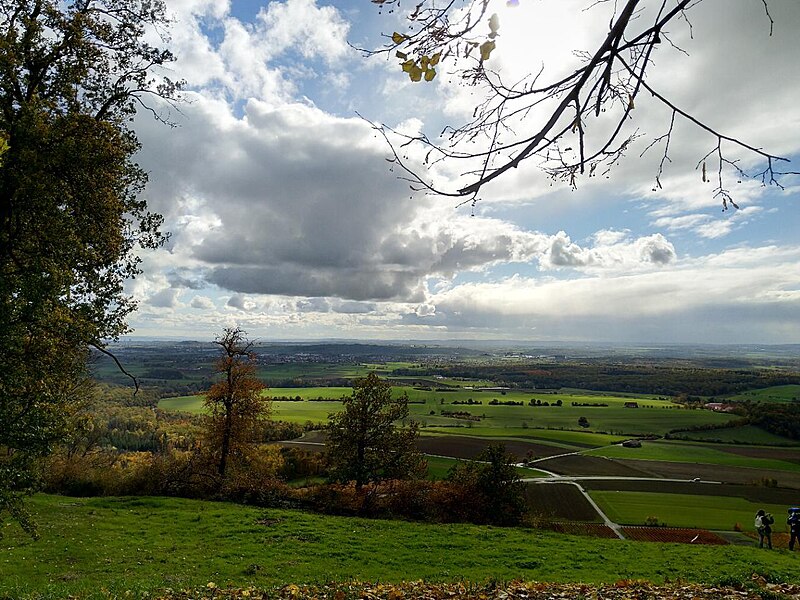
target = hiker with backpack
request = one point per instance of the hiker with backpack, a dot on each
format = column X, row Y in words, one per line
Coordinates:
column 763, row 524
column 794, row 526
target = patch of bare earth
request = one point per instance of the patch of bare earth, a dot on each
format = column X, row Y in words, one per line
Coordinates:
column 787, row 454
column 766, row 495
column 461, row 446
column 725, row 474
column 580, row 465
column 559, row 501
column 673, row 535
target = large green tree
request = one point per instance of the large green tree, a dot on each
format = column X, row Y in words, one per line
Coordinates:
column 72, row 75
column 364, row 443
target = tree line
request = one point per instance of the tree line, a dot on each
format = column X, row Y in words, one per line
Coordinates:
column 665, row 380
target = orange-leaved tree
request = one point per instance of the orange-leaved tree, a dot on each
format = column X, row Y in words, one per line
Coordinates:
column 236, row 406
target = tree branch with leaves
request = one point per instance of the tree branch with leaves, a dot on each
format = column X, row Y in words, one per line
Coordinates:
column 548, row 121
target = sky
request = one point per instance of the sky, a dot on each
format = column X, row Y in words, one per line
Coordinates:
column 287, row 219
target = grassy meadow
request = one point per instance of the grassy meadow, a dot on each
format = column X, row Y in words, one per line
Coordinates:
column 684, row 510
column 132, row 547
column 776, row 393
column 744, row 434
column 653, row 416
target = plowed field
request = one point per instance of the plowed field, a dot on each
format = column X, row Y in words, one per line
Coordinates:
column 723, row 473
column 590, row 529
column 787, row 454
column 669, row 534
column 560, row 501
column 460, row 446
column 767, row 495
column 592, row 465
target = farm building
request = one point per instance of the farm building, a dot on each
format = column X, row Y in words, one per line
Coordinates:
column 631, row 405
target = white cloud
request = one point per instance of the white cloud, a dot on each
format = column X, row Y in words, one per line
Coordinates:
column 202, row 303
column 288, row 217
column 166, row 298
column 739, row 296
column 314, row 31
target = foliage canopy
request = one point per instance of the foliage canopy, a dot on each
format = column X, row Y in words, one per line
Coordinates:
column 364, row 445
column 72, row 75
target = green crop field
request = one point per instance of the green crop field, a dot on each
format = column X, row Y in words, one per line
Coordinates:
column 674, row 451
column 745, row 434
column 777, row 393
column 684, row 510
column 131, row 547
column 612, row 419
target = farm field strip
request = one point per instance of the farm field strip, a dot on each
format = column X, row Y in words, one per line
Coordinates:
column 776, row 393
column 745, row 434
column 560, row 438
column 439, row 467
column 721, row 513
column 670, row 451
column 614, row 418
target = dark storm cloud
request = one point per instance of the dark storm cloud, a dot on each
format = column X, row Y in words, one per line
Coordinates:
column 303, row 204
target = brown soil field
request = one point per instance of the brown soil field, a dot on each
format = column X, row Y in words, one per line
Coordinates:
column 670, row 534
column 455, row 446
column 573, row 528
column 593, row 465
column 725, row 474
column 787, row 454
column 752, row 493
column 459, row 446
column 559, row 501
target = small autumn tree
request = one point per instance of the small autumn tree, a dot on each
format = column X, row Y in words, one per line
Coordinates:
column 364, row 444
column 235, row 404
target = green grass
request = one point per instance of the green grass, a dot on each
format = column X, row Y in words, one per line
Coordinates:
column 613, row 419
column 684, row 510
column 746, row 434
column 777, row 393
column 144, row 544
column 674, row 451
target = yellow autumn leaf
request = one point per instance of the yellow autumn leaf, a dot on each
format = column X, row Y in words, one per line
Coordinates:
column 424, row 60
column 486, row 50
column 407, row 66
column 401, row 55
column 398, row 38
column 415, row 73
column 435, row 59
column 430, row 74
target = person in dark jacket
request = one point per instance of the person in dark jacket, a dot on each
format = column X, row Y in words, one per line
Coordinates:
column 763, row 524
column 794, row 526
